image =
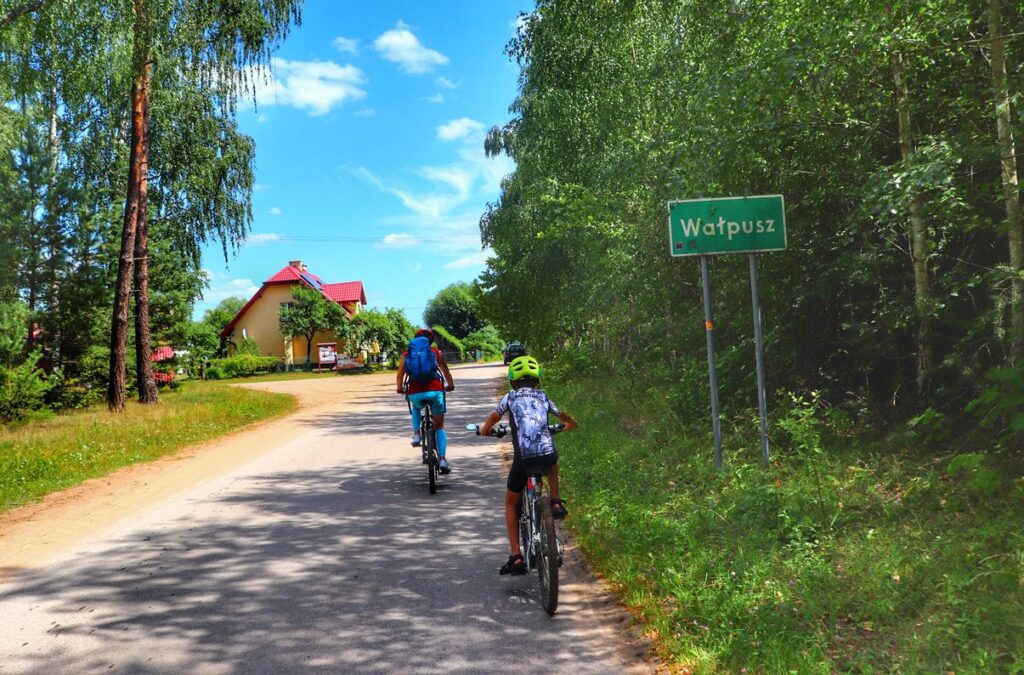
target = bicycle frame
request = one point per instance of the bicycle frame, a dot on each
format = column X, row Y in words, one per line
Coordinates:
column 428, row 442
column 529, row 533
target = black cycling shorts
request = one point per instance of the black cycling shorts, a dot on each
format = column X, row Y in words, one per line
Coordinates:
column 520, row 469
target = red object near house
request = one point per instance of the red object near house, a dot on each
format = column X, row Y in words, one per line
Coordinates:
column 162, row 353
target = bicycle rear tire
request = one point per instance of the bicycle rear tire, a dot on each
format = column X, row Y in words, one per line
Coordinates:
column 547, row 557
column 431, row 450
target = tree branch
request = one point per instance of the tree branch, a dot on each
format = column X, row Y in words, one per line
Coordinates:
column 17, row 12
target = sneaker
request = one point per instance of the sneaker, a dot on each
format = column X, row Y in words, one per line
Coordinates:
column 415, row 440
column 443, row 467
column 558, row 511
column 515, row 565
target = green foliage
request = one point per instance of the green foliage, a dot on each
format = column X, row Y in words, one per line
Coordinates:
column 617, row 114
column 1001, row 405
column 389, row 329
column 248, row 346
column 220, row 316
column 200, row 339
column 456, row 307
column 450, row 339
column 979, row 480
column 13, row 330
column 23, row 388
column 486, row 340
column 241, row 365
column 66, row 72
column 912, row 570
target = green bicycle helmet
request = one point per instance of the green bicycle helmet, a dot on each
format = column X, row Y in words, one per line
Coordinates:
column 523, row 366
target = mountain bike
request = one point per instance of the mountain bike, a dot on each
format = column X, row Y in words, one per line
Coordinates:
column 428, row 443
column 538, row 539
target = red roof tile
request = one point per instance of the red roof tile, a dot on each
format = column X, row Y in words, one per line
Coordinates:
column 348, row 291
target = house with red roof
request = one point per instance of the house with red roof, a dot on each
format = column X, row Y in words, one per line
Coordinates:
column 259, row 318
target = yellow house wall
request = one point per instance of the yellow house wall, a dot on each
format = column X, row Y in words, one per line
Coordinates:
column 260, row 321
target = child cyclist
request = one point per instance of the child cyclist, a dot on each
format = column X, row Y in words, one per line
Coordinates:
column 428, row 387
column 528, row 408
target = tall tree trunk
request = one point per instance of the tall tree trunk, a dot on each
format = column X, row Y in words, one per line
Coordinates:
column 54, row 236
column 918, row 230
column 1011, row 189
column 143, row 349
column 125, row 267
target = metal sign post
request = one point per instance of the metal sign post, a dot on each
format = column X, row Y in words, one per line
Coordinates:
column 749, row 224
column 762, row 405
column 709, row 330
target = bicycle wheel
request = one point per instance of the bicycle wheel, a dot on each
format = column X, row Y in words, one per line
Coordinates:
column 547, row 556
column 429, row 441
column 526, row 535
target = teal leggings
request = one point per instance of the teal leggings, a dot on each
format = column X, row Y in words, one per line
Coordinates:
column 436, row 399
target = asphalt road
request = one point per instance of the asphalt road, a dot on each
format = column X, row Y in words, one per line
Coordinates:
column 326, row 554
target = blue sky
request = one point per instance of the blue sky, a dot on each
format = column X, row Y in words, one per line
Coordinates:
column 370, row 127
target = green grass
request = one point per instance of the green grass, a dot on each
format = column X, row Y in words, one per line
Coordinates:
column 843, row 556
column 299, row 375
column 43, row 457
column 279, row 377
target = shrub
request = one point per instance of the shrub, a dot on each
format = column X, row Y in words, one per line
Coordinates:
column 23, row 388
column 73, row 393
column 248, row 346
column 486, row 340
column 240, row 365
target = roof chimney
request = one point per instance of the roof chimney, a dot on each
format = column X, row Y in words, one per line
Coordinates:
column 297, row 264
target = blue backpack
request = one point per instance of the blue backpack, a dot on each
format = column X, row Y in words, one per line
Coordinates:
column 421, row 361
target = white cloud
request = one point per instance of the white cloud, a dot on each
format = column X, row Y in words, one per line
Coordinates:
column 366, row 112
column 344, row 44
column 460, row 178
column 263, row 118
column 436, row 98
column 259, row 187
column 315, row 86
column 444, row 215
column 474, row 260
column 398, row 241
column 445, row 83
column 222, row 287
column 275, row 211
column 265, row 237
column 416, row 268
column 401, row 46
column 460, row 128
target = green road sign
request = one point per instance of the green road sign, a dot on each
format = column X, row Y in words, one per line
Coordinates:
column 727, row 225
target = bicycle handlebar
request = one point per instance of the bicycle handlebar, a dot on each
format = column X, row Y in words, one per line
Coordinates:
column 501, row 430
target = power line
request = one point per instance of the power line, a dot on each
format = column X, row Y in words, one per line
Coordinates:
column 266, row 237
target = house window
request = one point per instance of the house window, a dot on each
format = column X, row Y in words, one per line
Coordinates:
column 287, row 304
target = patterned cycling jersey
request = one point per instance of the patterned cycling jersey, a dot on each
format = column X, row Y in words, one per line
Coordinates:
column 528, row 410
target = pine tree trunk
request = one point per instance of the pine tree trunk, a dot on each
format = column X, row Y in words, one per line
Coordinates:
column 125, row 267
column 55, row 238
column 1011, row 189
column 143, row 349
column 918, row 231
